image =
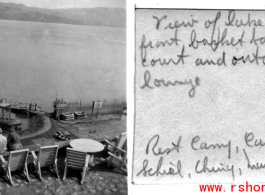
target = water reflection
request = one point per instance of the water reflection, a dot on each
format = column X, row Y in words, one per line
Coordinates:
column 24, row 119
column 29, row 123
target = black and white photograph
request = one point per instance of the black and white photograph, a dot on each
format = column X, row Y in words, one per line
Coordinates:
column 63, row 106
column 199, row 98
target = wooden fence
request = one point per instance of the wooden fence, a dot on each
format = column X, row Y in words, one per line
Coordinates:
column 108, row 107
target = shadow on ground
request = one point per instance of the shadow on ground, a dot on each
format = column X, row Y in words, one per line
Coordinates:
column 100, row 179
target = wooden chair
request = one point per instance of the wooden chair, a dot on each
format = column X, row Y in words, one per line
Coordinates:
column 121, row 143
column 118, row 159
column 118, row 153
column 76, row 159
column 17, row 160
column 47, row 157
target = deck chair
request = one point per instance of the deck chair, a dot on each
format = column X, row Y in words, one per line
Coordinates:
column 121, row 143
column 47, row 157
column 17, row 160
column 118, row 159
column 76, row 159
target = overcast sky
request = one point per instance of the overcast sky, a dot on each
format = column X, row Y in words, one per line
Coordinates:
column 58, row 4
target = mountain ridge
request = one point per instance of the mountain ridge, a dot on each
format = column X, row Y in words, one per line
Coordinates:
column 100, row 16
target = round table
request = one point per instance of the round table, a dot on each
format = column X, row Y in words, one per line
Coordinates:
column 87, row 145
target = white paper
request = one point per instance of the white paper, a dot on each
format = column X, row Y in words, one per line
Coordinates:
column 219, row 105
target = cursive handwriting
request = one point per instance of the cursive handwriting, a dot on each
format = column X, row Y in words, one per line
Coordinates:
column 160, row 61
column 161, row 82
column 206, row 146
column 157, row 44
column 176, row 24
column 205, row 168
column 254, row 58
column 174, row 169
column 249, row 137
column 145, row 45
column 255, row 40
column 232, row 21
column 215, row 43
column 253, row 166
column 220, row 61
column 186, row 51
column 153, row 142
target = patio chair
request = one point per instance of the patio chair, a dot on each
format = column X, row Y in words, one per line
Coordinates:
column 17, row 160
column 47, row 157
column 76, row 159
column 121, row 143
column 118, row 159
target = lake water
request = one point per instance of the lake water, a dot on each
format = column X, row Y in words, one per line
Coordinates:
column 41, row 61
column 24, row 119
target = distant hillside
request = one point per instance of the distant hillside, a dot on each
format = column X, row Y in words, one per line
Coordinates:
column 111, row 17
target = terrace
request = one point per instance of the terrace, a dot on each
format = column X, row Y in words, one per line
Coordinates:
column 99, row 179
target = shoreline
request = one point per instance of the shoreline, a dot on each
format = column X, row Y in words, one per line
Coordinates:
column 106, row 127
column 46, row 127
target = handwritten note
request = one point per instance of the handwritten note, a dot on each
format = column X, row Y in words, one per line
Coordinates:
column 199, row 96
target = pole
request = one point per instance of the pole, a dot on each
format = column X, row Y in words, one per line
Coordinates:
column 113, row 107
column 92, row 110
